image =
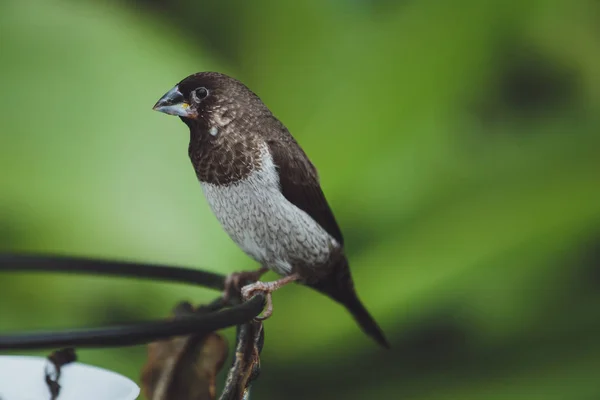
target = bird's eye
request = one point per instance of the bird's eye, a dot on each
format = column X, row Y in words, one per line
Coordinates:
column 199, row 94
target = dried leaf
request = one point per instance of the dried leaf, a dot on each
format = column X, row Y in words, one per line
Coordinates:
column 184, row 368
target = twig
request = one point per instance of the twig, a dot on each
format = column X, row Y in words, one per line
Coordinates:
column 246, row 363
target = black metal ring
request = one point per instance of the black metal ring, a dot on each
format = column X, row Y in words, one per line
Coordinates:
column 131, row 334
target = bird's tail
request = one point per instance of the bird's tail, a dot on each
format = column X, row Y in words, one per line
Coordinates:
column 340, row 287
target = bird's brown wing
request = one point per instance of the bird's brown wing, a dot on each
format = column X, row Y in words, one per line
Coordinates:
column 300, row 185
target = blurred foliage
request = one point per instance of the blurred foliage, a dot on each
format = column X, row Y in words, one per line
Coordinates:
column 457, row 143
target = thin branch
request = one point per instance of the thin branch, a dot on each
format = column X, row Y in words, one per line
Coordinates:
column 139, row 333
column 246, row 363
column 50, row 263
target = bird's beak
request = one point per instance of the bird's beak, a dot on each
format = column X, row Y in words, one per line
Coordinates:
column 173, row 103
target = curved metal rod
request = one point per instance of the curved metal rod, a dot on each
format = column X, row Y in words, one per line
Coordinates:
column 139, row 333
column 41, row 263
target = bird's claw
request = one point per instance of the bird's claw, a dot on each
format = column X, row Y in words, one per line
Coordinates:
column 265, row 287
column 235, row 281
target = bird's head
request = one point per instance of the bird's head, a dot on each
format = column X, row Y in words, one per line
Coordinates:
column 209, row 100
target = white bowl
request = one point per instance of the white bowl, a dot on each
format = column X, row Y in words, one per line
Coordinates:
column 22, row 378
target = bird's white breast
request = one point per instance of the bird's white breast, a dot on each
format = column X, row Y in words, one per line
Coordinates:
column 265, row 224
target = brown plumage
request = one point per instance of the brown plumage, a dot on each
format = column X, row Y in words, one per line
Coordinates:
column 263, row 189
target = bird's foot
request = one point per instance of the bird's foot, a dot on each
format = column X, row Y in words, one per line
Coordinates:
column 267, row 288
column 235, row 281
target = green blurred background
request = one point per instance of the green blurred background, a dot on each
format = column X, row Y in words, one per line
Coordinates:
column 458, row 144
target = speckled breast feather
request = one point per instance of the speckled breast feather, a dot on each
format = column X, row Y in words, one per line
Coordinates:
column 265, row 224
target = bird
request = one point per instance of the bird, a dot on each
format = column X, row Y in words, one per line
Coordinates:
column 264, row 191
